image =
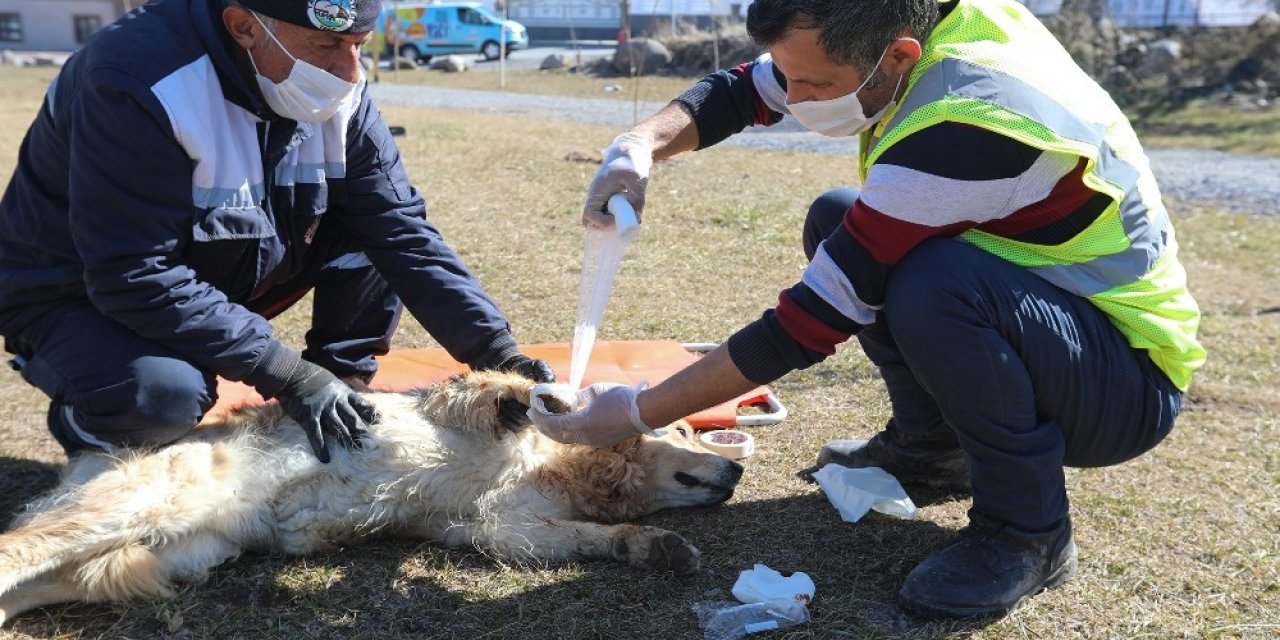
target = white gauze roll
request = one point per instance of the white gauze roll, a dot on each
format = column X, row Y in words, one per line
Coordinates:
column 601, row 257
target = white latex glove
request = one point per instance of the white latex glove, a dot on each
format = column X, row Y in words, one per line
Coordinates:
column 624, row 169
column 606, row 415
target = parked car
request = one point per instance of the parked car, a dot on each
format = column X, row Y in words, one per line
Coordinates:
column 420, row 30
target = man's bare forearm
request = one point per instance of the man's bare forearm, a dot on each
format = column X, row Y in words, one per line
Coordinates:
column 705, row 383
column 672, row 130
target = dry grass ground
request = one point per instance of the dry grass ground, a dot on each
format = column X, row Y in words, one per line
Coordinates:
column 1184, row 542
column 1200, row 124
column 1211, row 124
column 550, row 83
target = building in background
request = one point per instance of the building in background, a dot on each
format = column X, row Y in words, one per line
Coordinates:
column 603, row 19
column 1189, row 13
column 1043, row 8
column 568, row 19
column 670, row 16
column 55, row 25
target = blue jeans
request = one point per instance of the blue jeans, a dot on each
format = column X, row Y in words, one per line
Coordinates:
column 110, row 387
column 1029, row 377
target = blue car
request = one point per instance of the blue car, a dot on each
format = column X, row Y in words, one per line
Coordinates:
column 420, row 31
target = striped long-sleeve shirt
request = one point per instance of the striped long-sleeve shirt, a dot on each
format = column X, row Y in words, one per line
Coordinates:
column 939, row 181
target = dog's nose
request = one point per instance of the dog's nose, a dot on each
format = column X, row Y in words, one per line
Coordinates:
column 735, row 470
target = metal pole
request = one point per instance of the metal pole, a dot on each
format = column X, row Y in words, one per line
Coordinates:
column 376, row 56
column 715, row 36
column 395, row 45
column 502, row 47
column 626, row 18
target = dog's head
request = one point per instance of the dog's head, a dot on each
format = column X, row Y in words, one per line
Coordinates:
column 646, row 474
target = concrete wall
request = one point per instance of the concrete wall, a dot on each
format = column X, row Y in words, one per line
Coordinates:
column 48, row 25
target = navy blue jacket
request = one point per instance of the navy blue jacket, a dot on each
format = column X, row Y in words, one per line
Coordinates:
column 141, row 187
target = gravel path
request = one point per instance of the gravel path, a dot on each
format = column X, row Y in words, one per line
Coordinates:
column 1231, row 182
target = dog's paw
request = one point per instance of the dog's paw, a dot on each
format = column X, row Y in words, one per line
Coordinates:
column 671, row 552
column 554, row 404
column 660, row 550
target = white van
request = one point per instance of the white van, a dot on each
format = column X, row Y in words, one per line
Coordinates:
column 421, row 30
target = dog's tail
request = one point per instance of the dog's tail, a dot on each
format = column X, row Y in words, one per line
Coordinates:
column 147, row 499
column 37, row 549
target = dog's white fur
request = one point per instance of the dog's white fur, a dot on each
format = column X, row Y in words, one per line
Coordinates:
column 442, row 464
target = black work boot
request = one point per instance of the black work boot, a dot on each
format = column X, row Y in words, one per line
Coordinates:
column 989, row 571
column 935, row 460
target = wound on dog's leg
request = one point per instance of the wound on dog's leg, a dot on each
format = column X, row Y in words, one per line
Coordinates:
column 554, row 404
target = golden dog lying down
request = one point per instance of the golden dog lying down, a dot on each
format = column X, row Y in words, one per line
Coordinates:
column 443, row 464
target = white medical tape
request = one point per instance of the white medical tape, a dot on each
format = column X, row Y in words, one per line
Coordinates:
column 730, row 443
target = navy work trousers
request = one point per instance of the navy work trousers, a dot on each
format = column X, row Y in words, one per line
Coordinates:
column 1030, row 377
column 110, row 387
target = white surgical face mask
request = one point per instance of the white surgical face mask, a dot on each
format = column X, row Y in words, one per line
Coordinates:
column 841, row 116
column 309, row 94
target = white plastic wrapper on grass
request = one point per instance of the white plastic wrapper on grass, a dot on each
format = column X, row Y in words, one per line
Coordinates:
column 601, row 256
column 731, row 620
column 770, row 601
column 854, row 492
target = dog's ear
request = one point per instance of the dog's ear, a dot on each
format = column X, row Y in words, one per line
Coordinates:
column 513, row 415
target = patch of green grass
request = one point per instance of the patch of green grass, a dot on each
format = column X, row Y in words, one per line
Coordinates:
column 1179, row 543
column 1209, row 124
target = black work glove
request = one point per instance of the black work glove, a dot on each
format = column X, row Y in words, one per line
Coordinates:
column 325, row 407
column 536, row 370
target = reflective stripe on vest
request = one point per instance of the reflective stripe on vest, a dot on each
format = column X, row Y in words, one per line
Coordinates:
column 1125, row 260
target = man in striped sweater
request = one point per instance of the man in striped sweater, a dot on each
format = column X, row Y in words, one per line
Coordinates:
column 1007, row 264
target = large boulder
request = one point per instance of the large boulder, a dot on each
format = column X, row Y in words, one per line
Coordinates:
column 15, row 59
column 694, row 52
column 1269, row 22
column 641, row 56
column 401, row 62
column 554, row 61
column 449, row 64
column 1161, row 56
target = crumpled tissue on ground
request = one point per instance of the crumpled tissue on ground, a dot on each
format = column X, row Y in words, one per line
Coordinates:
column 855, row 491
column 763, row 584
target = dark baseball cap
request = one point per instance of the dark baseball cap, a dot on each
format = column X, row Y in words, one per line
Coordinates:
column 346, row 16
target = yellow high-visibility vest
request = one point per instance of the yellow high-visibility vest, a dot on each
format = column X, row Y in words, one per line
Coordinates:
column 991, row 64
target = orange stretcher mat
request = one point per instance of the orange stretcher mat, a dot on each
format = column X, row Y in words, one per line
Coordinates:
column 629, row 362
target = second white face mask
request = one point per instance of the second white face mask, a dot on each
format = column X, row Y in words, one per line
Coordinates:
column 841, row 116
column 309, row 94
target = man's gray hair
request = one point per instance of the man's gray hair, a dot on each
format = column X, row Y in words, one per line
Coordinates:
column 852, row 32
